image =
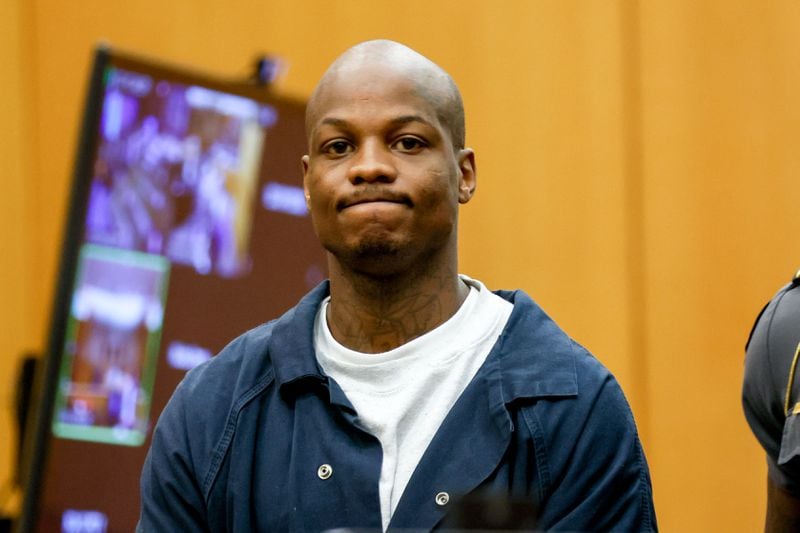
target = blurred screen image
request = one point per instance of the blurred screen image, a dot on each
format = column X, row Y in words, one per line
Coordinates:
column 113, row 334
column 176, row 172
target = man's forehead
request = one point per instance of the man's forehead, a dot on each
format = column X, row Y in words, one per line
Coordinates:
column 393, row 70
column 381, row 90
column 371, row 82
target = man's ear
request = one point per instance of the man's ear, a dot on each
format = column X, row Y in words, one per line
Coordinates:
column 304, row 162
column 469, row 175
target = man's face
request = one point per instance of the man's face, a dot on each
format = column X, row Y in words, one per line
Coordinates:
column 382, row 178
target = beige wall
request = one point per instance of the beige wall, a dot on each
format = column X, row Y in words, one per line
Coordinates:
column 636, row 176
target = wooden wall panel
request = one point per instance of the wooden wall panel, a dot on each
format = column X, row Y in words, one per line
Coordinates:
column 636, row 177
column 720, row 118
column 18, row 311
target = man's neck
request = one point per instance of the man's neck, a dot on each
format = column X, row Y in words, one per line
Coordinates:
column 374, row 315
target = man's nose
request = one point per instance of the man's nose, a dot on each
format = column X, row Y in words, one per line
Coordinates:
column 372, row 163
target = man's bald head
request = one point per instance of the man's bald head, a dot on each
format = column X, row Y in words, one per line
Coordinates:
column 431, row 81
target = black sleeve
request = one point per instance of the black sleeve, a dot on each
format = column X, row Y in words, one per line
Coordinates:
column 768, row 368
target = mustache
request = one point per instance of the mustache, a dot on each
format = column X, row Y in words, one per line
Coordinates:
column 373, row 194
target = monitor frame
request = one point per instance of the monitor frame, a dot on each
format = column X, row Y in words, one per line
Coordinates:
column 38, row 432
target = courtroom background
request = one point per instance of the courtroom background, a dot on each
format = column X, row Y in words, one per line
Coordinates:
column 638, row 175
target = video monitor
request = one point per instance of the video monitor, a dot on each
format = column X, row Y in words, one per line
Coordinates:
column 187, row 226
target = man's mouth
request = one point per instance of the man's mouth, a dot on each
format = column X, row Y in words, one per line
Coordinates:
column 360, row 199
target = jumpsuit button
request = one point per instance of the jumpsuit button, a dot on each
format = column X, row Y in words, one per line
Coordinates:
column 442, row 499
column 324, row 471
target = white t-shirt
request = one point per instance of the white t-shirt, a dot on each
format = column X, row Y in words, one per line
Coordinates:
column 403, row 395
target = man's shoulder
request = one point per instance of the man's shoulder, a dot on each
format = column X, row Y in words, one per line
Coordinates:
column 248, row 349
column 565, row 401
column 537, row 349
column 243, row 364
column 250, row 360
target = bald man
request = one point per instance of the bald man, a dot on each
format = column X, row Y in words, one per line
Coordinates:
column 398, row 394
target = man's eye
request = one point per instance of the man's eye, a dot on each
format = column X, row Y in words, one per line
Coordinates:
column 409, row 144
column 337, row 148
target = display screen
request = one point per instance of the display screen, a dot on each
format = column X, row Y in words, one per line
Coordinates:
column 111, row 348
column 188, row 226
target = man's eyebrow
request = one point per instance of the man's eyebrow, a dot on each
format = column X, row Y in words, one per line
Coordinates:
column 405, row 119
column 398, row 121
column 333, row 121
